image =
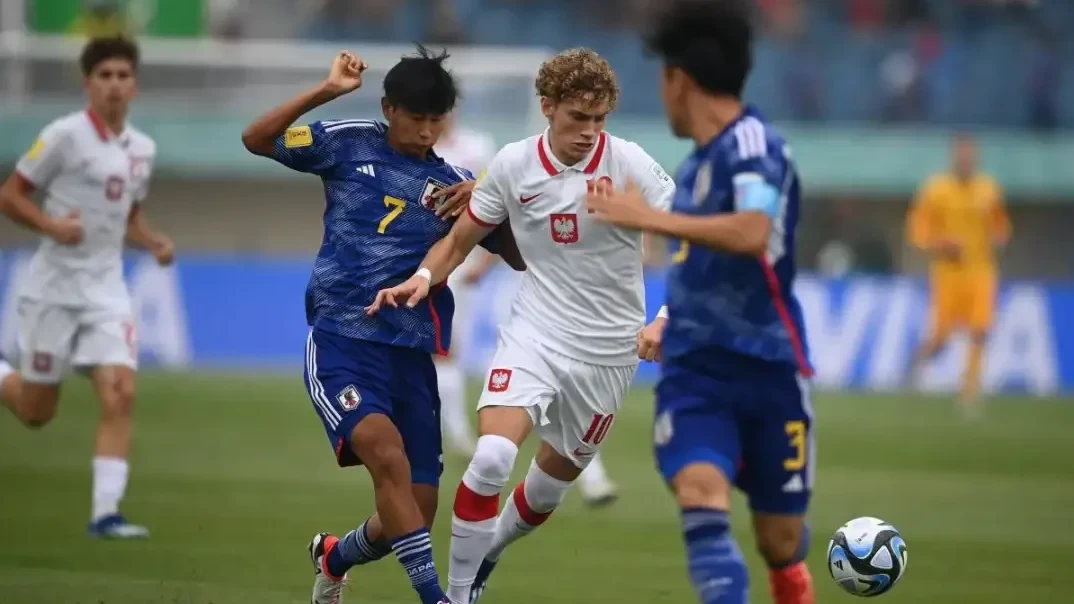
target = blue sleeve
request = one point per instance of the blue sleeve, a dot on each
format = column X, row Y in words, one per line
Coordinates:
column 758, row 181
column 312, row 148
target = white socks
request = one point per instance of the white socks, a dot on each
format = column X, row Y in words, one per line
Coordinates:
column 531, row 503
column 477, row 501
column 454, row 417
column 109, row 485
column 594, row 478
column 5, row 369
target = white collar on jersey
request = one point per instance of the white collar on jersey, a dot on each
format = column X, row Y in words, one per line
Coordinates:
column 553, row 166
column 102, row 130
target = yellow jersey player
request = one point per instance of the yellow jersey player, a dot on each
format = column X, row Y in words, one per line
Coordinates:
column 959, row 219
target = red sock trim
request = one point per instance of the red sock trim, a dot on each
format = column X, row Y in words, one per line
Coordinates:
column 525, row 512
column 792, row 585
column 330, row 544
column 471, row 507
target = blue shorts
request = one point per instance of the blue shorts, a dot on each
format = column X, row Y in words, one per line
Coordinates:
column 347, row 379
column 751, row 419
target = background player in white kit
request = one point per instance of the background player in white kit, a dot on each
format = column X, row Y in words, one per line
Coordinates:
column 570, row 349
column 74, row 311
column 473, row 150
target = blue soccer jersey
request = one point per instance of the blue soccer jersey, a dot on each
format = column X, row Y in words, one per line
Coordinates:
column 733, row 390
column 719, row 301
column 379, row 222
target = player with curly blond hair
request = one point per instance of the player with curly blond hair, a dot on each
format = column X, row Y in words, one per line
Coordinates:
column 569, row 351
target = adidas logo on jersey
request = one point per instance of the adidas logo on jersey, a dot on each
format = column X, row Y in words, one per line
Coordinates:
column 794, row 485
column 367, row 169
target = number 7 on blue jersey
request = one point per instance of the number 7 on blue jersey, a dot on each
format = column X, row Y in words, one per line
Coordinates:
column 395, row 208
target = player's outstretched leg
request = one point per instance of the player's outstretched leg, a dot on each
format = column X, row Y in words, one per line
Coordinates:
column 115, row 390
column 377, row 442
column 477, row 500
column 597, row 488
column 783, row 541
column 530, row 505
column 715, row 562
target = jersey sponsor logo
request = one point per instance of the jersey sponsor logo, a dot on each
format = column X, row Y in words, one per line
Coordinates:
column 663, row 429
column 564, row 228
column 139, row 167
column 794, row 485
column 432, row 187
column 298, row 136
column 584, row 451
column 661, row 176
column 523, row 199
column 349, row 398
column 499, row 380
column 367, row 169
column 113, row 188
column 35, row 149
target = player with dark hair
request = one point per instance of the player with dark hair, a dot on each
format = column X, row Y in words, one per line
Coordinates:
column 371, row 379
column 733, row 399
column 92, row 170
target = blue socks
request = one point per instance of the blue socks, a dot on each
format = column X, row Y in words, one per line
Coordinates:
column 415, row 553
column 353, row 549
column 717, row 569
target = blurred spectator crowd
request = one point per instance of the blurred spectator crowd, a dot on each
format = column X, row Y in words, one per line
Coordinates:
column 994, row 62
column 958, row 62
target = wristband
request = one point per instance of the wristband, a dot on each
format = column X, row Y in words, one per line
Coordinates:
column 663, row 312
column 426, row 273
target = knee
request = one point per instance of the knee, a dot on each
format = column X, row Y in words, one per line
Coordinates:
column 38, row 405
column 782, row 542
column 381, row 452
column 702, row 485
column 119, row 402
column 493, row 461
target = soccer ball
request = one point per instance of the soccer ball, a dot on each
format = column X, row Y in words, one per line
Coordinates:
column 867, row 557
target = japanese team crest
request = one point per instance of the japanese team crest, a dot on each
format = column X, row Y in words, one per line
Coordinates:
column 499, row 380
column 564, row 228
column 432, row 186
column 349, row 398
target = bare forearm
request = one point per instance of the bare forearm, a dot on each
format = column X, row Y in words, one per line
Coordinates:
column 139, row 233
column 23, row 211
column 445, row 257
column 260, row 136
column 739, row 233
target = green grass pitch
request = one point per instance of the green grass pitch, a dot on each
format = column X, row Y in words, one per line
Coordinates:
column 233, row 474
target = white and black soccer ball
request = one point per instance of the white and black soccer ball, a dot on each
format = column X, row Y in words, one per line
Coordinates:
column 867, row 557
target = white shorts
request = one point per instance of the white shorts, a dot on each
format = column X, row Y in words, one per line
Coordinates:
column 572, row 403
column 53, row 338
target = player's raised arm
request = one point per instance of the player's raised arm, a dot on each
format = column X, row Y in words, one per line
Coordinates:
column 35, row 171
column 261, row 136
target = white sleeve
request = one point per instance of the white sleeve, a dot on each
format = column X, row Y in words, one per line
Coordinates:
column 45, row 158
column 142, row 192
column 655, row 184
column 487, row 206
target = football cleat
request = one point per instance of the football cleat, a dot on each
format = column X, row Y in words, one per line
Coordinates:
column 481, row 581
column 600, row 495
column 115, row 526
column 326, row 589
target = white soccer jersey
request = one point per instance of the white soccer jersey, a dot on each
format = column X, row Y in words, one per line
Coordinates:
column 583, row 293
column 80, row 165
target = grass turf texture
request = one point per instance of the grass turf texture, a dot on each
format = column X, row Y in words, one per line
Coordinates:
column 233, row 475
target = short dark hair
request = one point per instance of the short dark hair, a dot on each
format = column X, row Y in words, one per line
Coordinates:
column 99, row 50
column 419, row 83
column 711, row 40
